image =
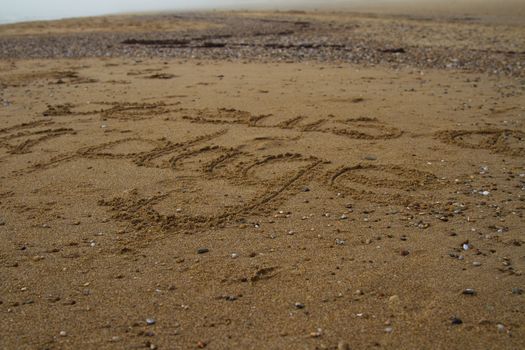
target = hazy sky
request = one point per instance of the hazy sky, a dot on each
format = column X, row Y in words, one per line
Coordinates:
column 50, row 9
column 17, row 9
column 43, row 9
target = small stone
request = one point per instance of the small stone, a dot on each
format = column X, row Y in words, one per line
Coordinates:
column 344, row 217
column 476, row 263
column 299, row 305
column 388, row 329
column 317, row 333
column 469, row 291
column 370, row 157
column 63, row 333
column 517, row 291
column 150, row 321
column 404, row 252
column 340, row 241
column 202, row 250
column 234, row 255
column 466, row 246
column 201, row 344
column 456, row 320
column 500, row 327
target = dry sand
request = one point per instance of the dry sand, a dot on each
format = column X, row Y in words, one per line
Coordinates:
column 284, row 193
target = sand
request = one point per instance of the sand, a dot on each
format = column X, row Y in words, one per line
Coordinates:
column 176, row 195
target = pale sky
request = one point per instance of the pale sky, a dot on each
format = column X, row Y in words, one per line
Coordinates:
column 50, row 9
column 20, row 10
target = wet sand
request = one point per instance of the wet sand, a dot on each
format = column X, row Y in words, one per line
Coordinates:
column 262, row 180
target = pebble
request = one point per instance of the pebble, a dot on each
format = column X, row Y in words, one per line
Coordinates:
column 476, row 263
column 317, row 333
column 63, row 333
column 234, row 255
column 404, row 252
column 202, row 250
column 150, row 321
column 500, row 327
column 469, row 291
column 389, row 329
column 370, row 157
column 340, row 241
column 456, row 320
column 517, row 291
column 299, row 305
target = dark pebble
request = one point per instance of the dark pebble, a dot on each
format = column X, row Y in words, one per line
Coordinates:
column 469, row 291
column 202, row 250
column 456, row 320
column 517, row 291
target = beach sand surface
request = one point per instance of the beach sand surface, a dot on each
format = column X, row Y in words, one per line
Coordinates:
column 262, row 180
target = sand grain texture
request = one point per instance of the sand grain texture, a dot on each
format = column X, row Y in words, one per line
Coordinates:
column 257, row 190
